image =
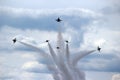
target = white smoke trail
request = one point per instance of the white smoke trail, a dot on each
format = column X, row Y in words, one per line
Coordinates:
column 55, row 67
column 62, row 66
column 80, row 56
column 60, row 44
column 67, row 54
column 53, row 54
column 35, row 48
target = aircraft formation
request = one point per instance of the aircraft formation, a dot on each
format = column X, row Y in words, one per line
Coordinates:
column 58, row 20
column 61, row 63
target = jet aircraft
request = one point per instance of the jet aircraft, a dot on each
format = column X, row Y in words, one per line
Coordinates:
column 58, row 47
column 47, row 41
column 58, row 19
column 66, row 41
column 98, row 48
column 14, row 40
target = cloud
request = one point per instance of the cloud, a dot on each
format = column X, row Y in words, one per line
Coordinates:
column 87, row 37
column 109, row 38
column 34, row 76
column 112, row 14
column 8, row 33
column 99, row 75
column 14, row 67
column 35, row 67
column 116, row 77
column 108, row 58
column 36, row 13
column 84, row 29
column 112, row 7
column 6, row 74
column 100, row 63
column 37, row 19
column 18, row 74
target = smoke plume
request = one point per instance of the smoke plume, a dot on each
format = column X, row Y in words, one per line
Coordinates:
column 62, row 67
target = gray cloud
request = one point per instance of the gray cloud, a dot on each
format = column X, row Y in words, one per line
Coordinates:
column 104, row 62
column 116, row 77
column 82, row 26
column 35, row 67
column 37, row 19
column 113, row 7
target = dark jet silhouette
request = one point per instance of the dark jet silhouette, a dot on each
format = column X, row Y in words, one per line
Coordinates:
column 14, row 40
column 47, row 41
column 66, row 41
column 58, row 47
column 98, row 48
column 58, row 19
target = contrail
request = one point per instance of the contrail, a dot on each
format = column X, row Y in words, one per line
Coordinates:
column 62, row 66
column 67, row 53
column 44, row 54
column 60, row 44
column 80, row 56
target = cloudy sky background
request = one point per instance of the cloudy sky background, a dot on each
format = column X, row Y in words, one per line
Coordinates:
column 86, row 24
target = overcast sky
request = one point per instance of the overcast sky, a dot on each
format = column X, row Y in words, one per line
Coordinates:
column 53, row 4
column 86, row 24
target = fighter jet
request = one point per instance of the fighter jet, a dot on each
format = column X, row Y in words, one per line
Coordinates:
column 98, row 48
column 66, row 41
column 58, row 19
column 47, row 41
column 14, row 40
column 58, row 47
